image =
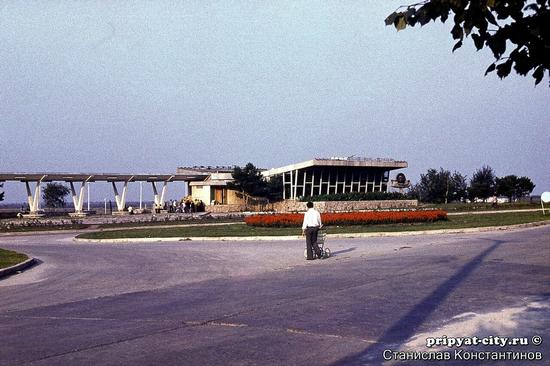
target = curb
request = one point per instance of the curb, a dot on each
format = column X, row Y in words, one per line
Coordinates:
column 5, row 272
column 299, row 237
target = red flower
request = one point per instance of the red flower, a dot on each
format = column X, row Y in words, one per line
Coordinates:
column 349, row 218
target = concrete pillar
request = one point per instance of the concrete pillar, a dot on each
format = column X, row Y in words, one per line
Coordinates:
column 120, row 199
column 78, row 201
column 284, row 185
column 320, row 182
column 312, row 182
column 34, row 199
column 304, row 184
column 159, row 200
column 295, row 184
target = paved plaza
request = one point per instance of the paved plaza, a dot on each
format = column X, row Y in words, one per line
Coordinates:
column 261, row 303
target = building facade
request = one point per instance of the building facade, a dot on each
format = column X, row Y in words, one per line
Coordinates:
column 322, row 176
column 319, row 176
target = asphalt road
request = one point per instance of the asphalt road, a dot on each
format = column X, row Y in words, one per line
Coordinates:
column 261, row 303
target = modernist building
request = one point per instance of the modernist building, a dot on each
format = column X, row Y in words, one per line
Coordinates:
column 335, row 175
column 309, row 178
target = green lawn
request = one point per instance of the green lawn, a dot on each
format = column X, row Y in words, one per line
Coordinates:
column 162, row 222
column 9, row 258
column 454, row 222
column 480, row 206
column 20, row 229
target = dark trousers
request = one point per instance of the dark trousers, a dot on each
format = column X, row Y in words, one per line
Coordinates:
column 311, row 242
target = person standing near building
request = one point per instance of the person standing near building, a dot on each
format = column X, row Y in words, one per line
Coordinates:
column 310, row 228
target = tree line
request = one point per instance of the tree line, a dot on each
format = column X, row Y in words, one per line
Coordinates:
column 442, row 186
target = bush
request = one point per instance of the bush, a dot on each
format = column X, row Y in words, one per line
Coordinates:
column 356, row 196
column 349, row 218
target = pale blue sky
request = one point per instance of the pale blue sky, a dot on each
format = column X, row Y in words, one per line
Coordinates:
column 146, row 86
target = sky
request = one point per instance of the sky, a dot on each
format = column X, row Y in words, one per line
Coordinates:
column 147, row 86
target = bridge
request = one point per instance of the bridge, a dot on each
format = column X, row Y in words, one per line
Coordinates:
column 33, row 183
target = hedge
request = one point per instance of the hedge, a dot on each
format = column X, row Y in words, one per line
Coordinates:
column 356, row 196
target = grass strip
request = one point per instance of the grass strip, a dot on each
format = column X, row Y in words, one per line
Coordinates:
column 163, row 222
column 481, row 206
column 22, row 229
column 454, row 222
column 10, row 258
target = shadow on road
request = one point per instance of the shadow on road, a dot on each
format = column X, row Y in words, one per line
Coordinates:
column 343, row 251
column 406, row 327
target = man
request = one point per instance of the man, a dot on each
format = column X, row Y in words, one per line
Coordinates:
column 310, row 228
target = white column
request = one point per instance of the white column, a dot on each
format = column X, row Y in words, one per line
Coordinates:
column 328, row 183
column 295, row 183
column 304, row 184
column 159, row 200
column 78, row 201
column 33, row 199
column 140, row 195
column 320, row 182
column 284, row 185
column 291, row 184
column 312, row 182
column 88, row 192
column 120, row 199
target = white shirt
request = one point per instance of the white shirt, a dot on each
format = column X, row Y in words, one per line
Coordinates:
column 312, row 217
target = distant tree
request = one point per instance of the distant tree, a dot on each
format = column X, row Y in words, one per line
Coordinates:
column 525, row 187
column 496, row 24
column 54, row 195
column 248, row 180
column 513, row 187
column 482, row 184
column 459, row 187
column 439, row 186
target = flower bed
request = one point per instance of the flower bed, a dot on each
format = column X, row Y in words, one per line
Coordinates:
column 349, row 218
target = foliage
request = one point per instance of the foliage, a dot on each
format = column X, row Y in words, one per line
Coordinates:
column 275, row 188
column 513, row 187
column 482, row 184
column 495, row 24
column 349, row 218
column 440, row 187
column 54, row 195
column 250, row 181
column 356, row 196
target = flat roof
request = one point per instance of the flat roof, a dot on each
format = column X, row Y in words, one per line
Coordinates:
column 205, row 169
column 385, row 163
column 95, row 177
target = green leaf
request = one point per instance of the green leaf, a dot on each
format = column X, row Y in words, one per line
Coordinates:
column 390, row 19
column 504, row 69
column 401, row 23
column 422, row 16
column 538, row 74
column 491, row 68
column 491, row 18
column 478, row 41
column 457, row 32
column 457, row 45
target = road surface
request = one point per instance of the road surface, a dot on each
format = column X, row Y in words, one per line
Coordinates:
column 261, row 303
